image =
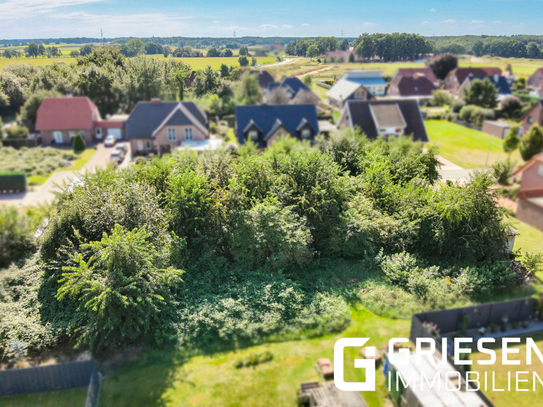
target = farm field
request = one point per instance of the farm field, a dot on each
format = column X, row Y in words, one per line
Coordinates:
column 195, row 63
column 465, row 147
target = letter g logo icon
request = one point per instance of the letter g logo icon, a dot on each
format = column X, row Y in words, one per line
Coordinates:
column 368, row 364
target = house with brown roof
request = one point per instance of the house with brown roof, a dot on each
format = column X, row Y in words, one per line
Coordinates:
column 60, row 119
column 410, row 72
column 533, row 116
column 376, row 118
column 417, row 86
column 160, row 127
column 530, row 194
column 457, row 76
column 536, row 80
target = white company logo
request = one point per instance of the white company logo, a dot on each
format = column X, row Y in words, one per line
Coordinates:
column 368, row 364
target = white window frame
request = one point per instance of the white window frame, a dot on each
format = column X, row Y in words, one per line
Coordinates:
column 171, row 135
column 139, row 145
column 148, row 144
column 72, row 134
column 99, row 133
column 188, row 134
column 306, row 133
column 541, row 170
column 58, row 137
column 253, row 135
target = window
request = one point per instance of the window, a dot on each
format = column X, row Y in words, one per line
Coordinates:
column 139, row 145
column 171, row 135
column 58, row 137
column 541, row 170
column 148, row 144
column 98, row 133
column 188, row 134
column 253, row 135
column 530, row 119
column 72, row 134
column 306, row 133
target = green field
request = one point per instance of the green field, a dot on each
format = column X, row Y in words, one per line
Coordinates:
column 527, row 398
column 465, row 147
column 168, row 380
column 72, row 398
column 195, row 63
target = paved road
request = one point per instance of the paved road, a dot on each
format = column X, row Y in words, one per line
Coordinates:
column 46, row 193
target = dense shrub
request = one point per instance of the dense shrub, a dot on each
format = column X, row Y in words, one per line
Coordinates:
column 475, row 114
column 78, row 144
column 532, row 143
column 16, row 235
column 15, row 132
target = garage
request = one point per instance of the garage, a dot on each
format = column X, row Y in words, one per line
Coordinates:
column 115, row 132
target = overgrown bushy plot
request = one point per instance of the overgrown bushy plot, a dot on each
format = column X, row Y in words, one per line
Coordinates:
column 273, row 245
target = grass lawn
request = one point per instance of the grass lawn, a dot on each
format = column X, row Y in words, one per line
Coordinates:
column 465, row 147
column 505, row 398
column 74, row 397
column 167, row 380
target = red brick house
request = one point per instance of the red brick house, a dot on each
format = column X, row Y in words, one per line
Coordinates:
column 411, row 72
column 457, row 76
column 417, row 86
column 533, row 116
column 60, row 119
column 536, row 80
column 530, row 194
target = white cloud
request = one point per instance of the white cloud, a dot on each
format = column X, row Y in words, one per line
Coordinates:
column 21, row 8
column 215, row 22
column 425, row 23
column 496, row 22
column 477, row 22
column 266, row 26
column 451, row 21
column 432, row 10
column 305, row 25
column 366, row 24
column 287, row 26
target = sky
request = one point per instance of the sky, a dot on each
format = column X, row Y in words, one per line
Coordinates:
column 221, row 18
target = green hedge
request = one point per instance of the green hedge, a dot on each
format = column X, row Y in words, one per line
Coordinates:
column 12, row 181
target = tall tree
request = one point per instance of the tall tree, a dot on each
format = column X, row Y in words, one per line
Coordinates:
column 344, row 45
column 248, row 91
column 32, row 50
column 443, row 64
column 532, row 143
column 511, row 141
column 533, row 50
column 481, row 93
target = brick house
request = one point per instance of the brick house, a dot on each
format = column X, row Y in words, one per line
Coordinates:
column 536, row 80
column 160, row 127
column 264, row 124
column 533, row 116
column 60, row 119
column 416, row 86
column 457, row 76
column 344, row 90
column 530, row 194
column 411, row 72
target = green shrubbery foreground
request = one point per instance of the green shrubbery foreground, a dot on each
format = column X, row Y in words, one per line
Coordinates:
column 272, row 245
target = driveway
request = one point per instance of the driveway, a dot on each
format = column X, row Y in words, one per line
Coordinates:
column 46, row 193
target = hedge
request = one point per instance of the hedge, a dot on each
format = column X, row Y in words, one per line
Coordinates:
column 12, row 181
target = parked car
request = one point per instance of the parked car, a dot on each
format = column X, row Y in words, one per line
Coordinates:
column 122, row 148
column 116, row 158
column 110, row 141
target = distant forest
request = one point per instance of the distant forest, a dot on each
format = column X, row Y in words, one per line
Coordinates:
column 518, row 46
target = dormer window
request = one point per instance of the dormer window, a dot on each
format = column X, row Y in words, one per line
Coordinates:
column 306, row 133
column 171, row 135
column 253, row 135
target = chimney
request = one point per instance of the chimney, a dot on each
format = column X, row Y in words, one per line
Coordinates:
column 155, row 101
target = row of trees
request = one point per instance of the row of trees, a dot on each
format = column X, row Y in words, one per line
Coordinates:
column 496, row 47
column 318, row 46
column 34, row 50
column 393, row 47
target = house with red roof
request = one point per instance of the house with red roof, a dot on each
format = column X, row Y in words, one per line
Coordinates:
column 417, row 86
column 411, row 72
column 457, row 76
column 536, row 80
column 60, row 119
column 530, row 193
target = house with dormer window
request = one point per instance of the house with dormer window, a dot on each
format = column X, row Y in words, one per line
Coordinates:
column 265, row 124
column 386, row 118
column 160, row 127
